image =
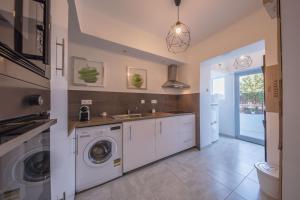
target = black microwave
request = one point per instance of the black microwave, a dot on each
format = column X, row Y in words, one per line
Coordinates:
column 25, row 34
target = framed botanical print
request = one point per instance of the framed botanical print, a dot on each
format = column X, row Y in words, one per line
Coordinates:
column 136, row 78
column 88, row 73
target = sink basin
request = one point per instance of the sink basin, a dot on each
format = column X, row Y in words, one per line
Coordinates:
column 127, row 116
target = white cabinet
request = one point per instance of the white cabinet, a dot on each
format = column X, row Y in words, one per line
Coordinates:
column 70, row 167
column 146, row 141
column 62, row 157
column 187, row 133
column 167, row 132
column 59, row 40
column 138, row 143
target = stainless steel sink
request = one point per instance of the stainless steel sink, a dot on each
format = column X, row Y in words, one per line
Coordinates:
column 127, row 116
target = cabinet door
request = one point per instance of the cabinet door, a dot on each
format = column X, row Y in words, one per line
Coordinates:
column 70, row 173
column 166, row 136
column 187, row 134
column 62, row 160
column 59, row 42
column 214, row 123
column 139, row 144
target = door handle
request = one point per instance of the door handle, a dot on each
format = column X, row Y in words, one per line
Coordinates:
column 84, row 136
column 62, row 67
column 264, row 123
column 76, row 144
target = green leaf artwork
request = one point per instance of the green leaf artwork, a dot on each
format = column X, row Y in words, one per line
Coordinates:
column 88, row 74
column 137, row 80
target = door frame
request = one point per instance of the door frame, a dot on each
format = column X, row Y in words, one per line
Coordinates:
column 237, row 106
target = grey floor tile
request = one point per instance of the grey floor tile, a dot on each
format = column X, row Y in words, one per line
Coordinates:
column 253, row 175
column 235, row 196
column 217, row 172
column 249, row 189
column 100, row 193
column 230, row 179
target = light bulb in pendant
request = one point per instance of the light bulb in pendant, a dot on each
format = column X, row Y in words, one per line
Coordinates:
column 178, row 30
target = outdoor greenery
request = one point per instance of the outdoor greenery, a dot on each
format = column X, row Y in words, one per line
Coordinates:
column 252, row 90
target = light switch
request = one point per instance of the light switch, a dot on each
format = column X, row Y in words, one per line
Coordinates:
column 86, row 102
column 154, row 101
column 143, row 101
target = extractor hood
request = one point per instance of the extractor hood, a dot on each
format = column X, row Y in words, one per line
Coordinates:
column 172, row 76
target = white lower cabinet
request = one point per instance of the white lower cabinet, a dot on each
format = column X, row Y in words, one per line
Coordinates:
column 138, row 143
column 145, row 141
column 167, row 132
column 187, row 130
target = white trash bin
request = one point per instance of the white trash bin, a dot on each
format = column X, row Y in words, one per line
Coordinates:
column 268, row 176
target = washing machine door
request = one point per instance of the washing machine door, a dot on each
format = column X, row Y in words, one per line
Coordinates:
column 37, row 167
column 34, row 167
column 100, row 151
column 32, row 173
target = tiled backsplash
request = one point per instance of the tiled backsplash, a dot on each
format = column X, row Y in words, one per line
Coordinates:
column 119, row 103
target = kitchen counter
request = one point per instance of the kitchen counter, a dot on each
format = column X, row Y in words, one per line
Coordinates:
column 98, row 121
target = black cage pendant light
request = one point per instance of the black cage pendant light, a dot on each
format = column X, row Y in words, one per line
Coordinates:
column 179, row 37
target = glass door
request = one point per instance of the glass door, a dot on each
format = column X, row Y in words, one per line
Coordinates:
column 250, row 115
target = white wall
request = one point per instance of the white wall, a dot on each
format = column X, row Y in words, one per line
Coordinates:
column 116, row 66
column 291, row 98
column 205, row 108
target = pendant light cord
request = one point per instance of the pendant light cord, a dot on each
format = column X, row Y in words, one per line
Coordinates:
column 178, row 13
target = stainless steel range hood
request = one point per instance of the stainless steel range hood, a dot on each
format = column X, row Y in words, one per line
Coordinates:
column 172, row 79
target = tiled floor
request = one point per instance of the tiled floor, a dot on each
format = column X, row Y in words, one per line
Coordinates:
column 222, row 171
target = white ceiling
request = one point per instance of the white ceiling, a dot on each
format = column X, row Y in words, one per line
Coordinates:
column 204, row 17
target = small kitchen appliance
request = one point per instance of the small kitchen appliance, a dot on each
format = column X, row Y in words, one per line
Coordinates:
column 84, row 113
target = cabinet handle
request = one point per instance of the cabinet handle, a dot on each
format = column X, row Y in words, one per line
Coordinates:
column 73, row 149
column 62, row 67
column 84, row 136
column 76, row 144
column 130, row 133
column 160, row 127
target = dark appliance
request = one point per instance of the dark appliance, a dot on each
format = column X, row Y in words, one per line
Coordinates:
column 25, row 100
column 25, row 34
column 84, row 113
column 24, row 133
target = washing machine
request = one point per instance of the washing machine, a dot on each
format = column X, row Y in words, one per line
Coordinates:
column 98, row 155
column 25, row 171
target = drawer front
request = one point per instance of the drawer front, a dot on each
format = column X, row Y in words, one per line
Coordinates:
column 187, row 132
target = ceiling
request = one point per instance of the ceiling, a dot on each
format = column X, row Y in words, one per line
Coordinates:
column 204, row 17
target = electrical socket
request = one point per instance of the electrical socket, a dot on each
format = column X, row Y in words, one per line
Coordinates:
column 154, row 101
column 143, row 101
column 86, row 102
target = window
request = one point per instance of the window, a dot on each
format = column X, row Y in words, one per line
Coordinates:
column 218, row 87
